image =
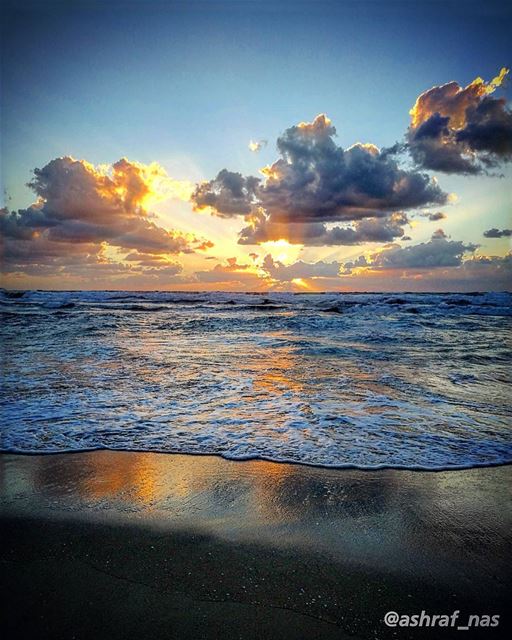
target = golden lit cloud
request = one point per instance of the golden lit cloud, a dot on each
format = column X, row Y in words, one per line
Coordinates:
column 151, row 182
column 366, row 146
column 93, row 223
column 321, row 122
column 461, row 130
column 453, row 100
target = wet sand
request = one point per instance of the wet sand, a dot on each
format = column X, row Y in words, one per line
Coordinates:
column 142, row 545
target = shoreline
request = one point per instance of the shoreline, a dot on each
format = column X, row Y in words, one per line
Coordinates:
column 257, row 458
column 121, row 545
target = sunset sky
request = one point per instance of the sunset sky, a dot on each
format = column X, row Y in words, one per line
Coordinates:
column 302, row 146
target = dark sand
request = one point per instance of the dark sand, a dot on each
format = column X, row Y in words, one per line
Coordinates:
column 147, row 546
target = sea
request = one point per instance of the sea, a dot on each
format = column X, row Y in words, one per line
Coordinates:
column 419, row 381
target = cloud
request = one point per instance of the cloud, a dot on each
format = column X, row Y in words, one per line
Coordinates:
column 262, row 229
column 461, row 130
column 316, row 183
column 437, row 265
column 438, row 252
column 434, row 217
column 266, row 272
column 87, row 265
column 231, row 272
column 299, row 270
column 204, row 245
column 229, row 194
column 152, row 260
column 82, row 210
column 257, row 145
column 497, row 268
column 357, row 263
column 476, row 273
column 496, row 233
column 438, row 234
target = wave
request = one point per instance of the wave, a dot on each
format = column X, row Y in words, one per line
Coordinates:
column 493, row 303
column 337, row 379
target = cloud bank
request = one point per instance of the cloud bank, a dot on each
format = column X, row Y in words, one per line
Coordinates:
column 84, row 214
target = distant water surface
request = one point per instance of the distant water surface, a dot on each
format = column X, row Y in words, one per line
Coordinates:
column 366, row 380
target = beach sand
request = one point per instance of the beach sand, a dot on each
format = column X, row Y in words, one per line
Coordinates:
column 144, row 545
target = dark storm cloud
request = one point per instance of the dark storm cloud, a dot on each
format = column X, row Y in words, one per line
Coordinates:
column 461, row 130
column 496, row 233
column 442, row 155
column 434, row 127
column 488, row 128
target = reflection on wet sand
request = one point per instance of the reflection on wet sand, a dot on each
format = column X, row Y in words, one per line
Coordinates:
column 339, row 547
column 411, row 520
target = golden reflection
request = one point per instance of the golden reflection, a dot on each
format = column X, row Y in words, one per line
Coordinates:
column 111, row 475
column 181, row 486
column 149, row 478
column 370, row 518
column 273, row 372
column 211, row 489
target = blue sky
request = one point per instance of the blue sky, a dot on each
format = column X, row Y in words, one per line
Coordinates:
column 189, row 84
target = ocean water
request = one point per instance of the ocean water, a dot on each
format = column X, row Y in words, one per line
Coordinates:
column 359, row 380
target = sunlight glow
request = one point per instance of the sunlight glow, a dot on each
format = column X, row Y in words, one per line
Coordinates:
column 281, row 250
column 301, row 283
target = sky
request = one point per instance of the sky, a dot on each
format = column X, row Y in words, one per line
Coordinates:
column 255, row 146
